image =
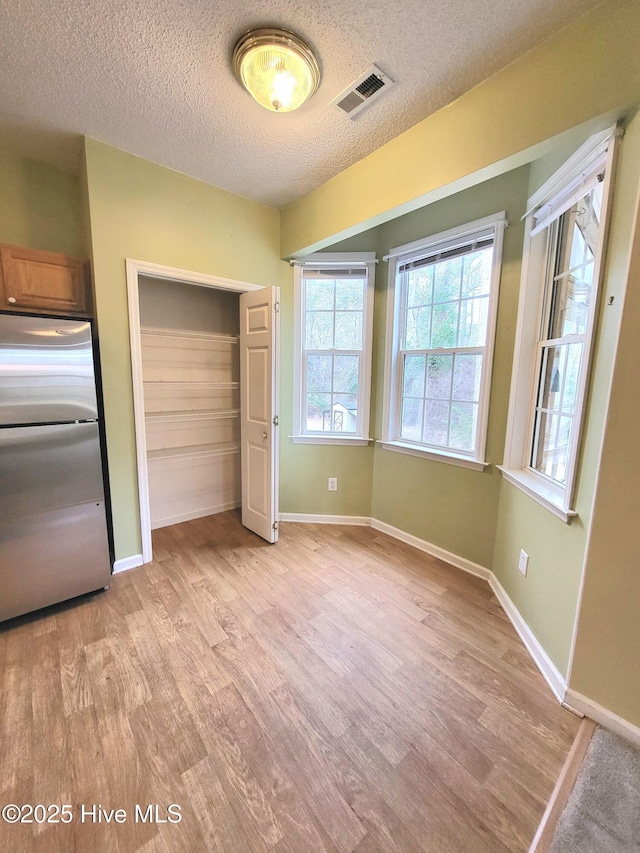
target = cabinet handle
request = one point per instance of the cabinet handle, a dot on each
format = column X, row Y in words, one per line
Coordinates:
column 264, row 435
column 11, row 299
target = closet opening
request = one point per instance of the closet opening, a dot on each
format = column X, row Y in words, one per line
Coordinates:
column 204, row 370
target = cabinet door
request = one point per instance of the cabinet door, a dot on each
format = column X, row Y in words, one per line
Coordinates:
column 42, row 281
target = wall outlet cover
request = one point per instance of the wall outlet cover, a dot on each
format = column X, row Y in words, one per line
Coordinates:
column 523, row 562
column 333, row 484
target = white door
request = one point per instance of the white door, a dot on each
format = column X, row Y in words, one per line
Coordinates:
column 259, row 342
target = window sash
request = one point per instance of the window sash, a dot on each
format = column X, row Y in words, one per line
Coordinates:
column 337, row 267
column 465, row 247
column 534, row 332
column 331, row 392
column 541, row 415
column 333, row 274
column 425, row 397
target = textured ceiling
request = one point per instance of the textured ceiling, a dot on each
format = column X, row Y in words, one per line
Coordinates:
column 154, row 77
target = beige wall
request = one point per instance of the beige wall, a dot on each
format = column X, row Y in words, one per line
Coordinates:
column 39, row 206
column 488, row 130
column 143, row 211
column 606, row 665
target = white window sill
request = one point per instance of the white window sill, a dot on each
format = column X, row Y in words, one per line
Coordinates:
column 434, row 455
column 536, row 488
column 352, row 441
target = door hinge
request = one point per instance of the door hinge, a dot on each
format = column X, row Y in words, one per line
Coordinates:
column 276, row 307
column 275, row 525
column 275, row 420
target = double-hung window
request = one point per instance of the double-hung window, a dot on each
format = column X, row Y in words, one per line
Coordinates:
column 443, row 296
column 333, row 338
column 564, row 246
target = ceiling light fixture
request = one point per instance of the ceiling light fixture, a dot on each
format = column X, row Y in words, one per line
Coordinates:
column 277, row 68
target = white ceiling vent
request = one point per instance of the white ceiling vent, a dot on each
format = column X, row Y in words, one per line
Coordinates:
column 363, row 91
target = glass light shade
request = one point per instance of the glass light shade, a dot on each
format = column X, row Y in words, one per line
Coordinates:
column 277, row 68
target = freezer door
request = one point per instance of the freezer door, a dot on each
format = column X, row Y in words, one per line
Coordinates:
column 46, row 370
column 53, row 532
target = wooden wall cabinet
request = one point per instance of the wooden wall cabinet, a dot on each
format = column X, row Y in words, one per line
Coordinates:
column 42, row 282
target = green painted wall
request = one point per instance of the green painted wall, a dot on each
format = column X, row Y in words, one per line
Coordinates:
column 607, row 651
column 146, row 212
column 547, row 597
column 492, row 128
column 39, row 206
column 449, row 506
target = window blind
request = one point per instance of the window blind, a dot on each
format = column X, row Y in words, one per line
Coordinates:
column 438, row 257
column 334, row 272
column 573, row 190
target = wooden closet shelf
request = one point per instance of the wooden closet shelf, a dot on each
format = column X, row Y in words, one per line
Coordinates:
column 194, row 450
column 191, row 415
column 188, row 336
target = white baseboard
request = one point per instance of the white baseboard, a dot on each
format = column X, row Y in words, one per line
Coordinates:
column 434, row 550
column 548, row 669
column 310, row 518
column 127, row 563
column 190, row 516
column 603, row 716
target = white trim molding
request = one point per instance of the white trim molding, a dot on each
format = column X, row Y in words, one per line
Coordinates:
column 433, row 454
column 533, row 486
column 311, row 518
column 188, row 276
column 433, row 550
column 127, row 563
column 603, row 716
column 548, row 669
column 134, row 269
column 355, row 441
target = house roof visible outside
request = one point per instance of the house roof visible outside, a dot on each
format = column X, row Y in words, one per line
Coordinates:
column 154, row 78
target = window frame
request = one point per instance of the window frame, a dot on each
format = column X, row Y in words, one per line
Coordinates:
column 324, row 261
column 539, row 256
column 489, row 226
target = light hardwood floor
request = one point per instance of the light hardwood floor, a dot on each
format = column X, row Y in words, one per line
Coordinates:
column 336, row 692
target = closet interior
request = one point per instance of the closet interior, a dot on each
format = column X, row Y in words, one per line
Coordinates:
column 191, row 368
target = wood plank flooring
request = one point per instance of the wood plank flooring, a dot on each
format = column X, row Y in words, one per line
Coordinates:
column 336, row 692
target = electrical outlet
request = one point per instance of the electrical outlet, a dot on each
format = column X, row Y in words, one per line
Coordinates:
column 333, row 484
column 523, row 562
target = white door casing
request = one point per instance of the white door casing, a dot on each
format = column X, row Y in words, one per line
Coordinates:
column 135, row 268
column 259, row 340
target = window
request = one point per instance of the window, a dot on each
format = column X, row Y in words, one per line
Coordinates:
column 564, row 241
column 334, row 319
column 443, row 295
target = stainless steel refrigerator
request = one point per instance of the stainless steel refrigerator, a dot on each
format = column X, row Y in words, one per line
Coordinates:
column 53, row 528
